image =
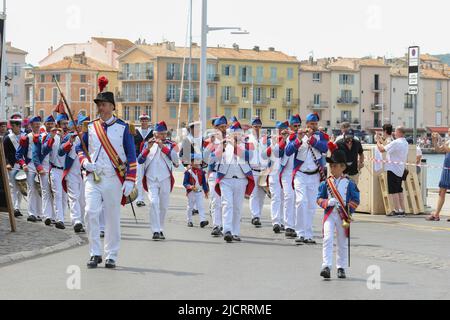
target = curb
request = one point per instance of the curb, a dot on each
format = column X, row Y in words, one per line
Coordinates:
column 15, row 257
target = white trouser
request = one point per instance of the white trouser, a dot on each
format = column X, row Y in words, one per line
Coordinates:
column 140, row 187
column 195, row 200
column 215, row 204
column 289, row 200
column 101, row 220
column 257, row 199
column 306, row 190
column 105, row 198
column 233, row 195
column 15, row 190
column 59, row 195
column 334, row 223
column 34, row 200
column 75, row 192
column 276, row 203
column 158, row 194
column 47, row 197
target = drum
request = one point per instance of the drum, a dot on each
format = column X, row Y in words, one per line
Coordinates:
column 21, row 181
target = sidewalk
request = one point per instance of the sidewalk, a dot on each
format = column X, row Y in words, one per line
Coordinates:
column 32, row 240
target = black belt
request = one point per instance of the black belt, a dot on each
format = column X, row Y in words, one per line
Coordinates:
column 56, row 167
column 311, row 173
column 256, row 170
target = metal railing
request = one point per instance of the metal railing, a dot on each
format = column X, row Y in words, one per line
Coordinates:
column 135, row 98
column 261, row 102
column 213, row 77
column 230, row 100
column 147, row 75
column 318, row 106
column 176, row 99
column 347, row 100
column 269, row 81
column 292, row 103
column 176, row 76
column 353, row 121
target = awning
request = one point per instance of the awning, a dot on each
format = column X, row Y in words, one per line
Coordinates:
column 440, row 130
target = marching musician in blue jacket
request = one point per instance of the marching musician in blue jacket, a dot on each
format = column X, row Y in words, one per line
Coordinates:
column 308, row 149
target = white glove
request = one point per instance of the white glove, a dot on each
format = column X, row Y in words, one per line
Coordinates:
column 332, row 202
column 127, row 188
column 89, row 167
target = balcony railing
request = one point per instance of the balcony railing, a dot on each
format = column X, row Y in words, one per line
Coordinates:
column 246, row 80
column 318, row 106
column 376, row 107
column 292, row 103
column 213, row 77
column 378, row 87
column 135, row 98
column 347, row 100
column 147, row 75
column 269, row 81
column 261, row 102
column 230, row 100
column 176, row 76
column 176, row 99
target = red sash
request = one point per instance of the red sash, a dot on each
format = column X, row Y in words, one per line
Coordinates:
column 118, row 164
column 343, row 213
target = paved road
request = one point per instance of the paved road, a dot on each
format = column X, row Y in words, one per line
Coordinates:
column 413, row 259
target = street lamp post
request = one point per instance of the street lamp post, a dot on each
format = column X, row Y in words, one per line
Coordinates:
column 203, row 61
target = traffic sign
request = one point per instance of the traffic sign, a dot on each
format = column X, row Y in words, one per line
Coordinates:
column 413, row 90
column 413, row 66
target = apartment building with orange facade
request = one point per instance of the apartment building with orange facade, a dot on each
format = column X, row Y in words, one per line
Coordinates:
column 78, row 77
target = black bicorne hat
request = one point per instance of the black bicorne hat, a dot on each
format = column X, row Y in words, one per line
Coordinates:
column 337, row 156
column 105, row 97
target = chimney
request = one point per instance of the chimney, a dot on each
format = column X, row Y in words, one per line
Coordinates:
column 170, row 46
column 271, row 49
column 236, row 46
column 110, row 53
column 256, row 48
column 50, row 50
column 80, row 58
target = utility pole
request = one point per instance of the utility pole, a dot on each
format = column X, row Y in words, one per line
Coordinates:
column 3, row 90
column 190, row 111
column 203, row 61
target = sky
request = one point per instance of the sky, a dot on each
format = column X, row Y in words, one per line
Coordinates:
column 324, row 28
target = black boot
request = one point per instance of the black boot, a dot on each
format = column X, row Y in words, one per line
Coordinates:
column 341, row 274
column 32, row 219
column 78, row 228
column 94, row 262
column 156, row 236
column 60, row 225
column 48, row 222
column 276, row 229
column 216, row 232
column 110, row 264
column 17, row 214
column 228, row 237
column 326, row 273
column 204, row 224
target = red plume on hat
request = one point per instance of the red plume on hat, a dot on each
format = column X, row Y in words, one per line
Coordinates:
column 102, row 83
column 332, row 147
column 317, row 114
